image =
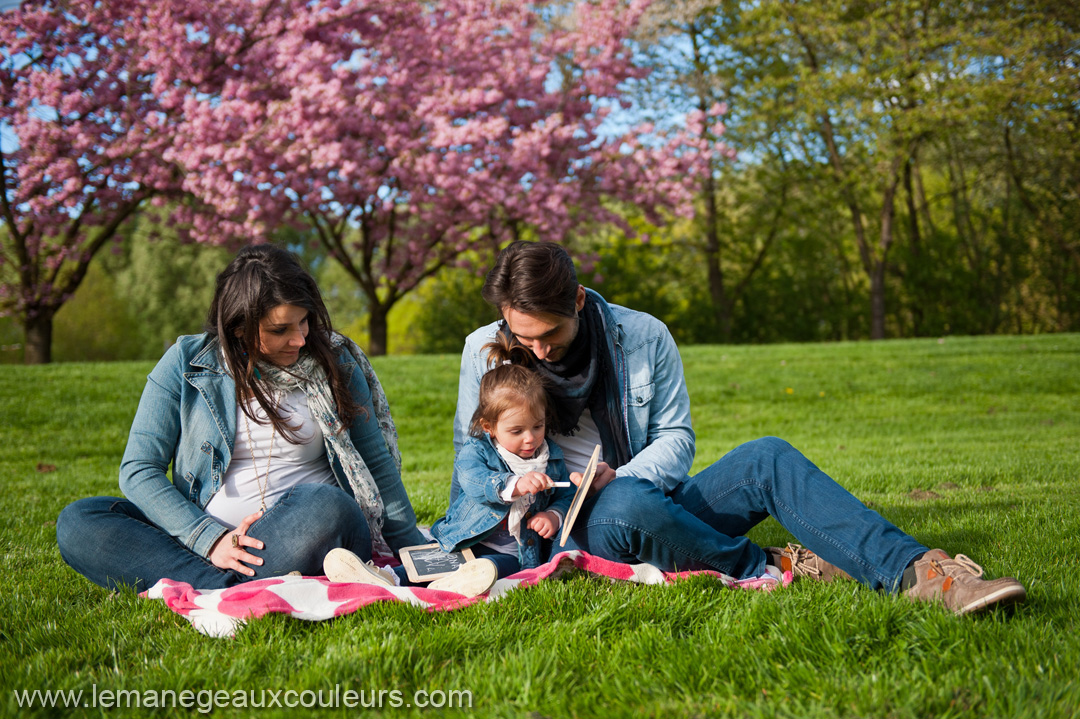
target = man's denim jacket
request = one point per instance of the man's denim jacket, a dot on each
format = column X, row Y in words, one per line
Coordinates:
column 187, row 418
column 478, row 508
column 653, row 400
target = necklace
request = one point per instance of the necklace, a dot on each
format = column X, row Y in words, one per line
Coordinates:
column 264, row 482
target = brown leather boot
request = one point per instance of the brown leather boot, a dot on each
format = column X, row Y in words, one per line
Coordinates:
column 801, row 562
column 957, row 583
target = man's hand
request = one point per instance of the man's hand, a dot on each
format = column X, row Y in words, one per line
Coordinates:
column 229, row 553
column 603, row 475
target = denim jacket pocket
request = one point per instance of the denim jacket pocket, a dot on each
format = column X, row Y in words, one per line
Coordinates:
column 638, row 400
column 464, row 521
column 203, row 473
column 642, row 394
column 217, row 473
column 193, row 488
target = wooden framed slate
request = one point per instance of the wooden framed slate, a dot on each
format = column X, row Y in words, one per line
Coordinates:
column 579, row 496
column 427, row 562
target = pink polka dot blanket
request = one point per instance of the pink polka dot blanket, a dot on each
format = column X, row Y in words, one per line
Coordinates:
column 221, row 612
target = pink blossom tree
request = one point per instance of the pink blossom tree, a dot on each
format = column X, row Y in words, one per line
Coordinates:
column 92, row 93
column 408, row 134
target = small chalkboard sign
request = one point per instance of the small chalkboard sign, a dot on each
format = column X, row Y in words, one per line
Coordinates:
column 579, row 496
column 427, row 562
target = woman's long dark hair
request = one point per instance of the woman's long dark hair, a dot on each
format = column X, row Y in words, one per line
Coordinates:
column 510, row 382
column 260, row 278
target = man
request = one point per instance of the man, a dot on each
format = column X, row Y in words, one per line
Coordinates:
column 617, row 380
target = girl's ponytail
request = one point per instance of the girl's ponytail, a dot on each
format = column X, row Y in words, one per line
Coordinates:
column 504, row 350
column 510, row 381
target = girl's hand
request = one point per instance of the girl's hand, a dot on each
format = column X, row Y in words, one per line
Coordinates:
column 531, row 483
column 545, row 524
column 229, row 553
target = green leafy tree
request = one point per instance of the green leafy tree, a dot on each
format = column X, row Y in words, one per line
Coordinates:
column 451, row 308
column 167, row 283
column 99, row 324
column 682, row 44
column 867, row 103
column 1040, row 139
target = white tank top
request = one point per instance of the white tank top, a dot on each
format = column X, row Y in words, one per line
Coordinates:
column 290, row 464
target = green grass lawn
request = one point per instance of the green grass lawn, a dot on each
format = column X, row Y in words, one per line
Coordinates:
column 972, row 445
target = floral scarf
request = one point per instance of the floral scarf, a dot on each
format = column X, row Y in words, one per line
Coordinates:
column 308, row 376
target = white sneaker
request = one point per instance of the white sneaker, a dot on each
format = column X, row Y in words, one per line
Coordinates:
column 341, row 565
column 471, row 579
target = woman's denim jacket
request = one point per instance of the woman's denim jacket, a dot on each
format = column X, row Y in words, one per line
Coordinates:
column 187, row 418
column 653, row 401
column 479, row 508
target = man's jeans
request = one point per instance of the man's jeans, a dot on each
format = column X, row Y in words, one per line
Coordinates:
column 111, row 543
column 702, row 524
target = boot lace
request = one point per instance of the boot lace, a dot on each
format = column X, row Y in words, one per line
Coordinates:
column 803, row 561
column 960, row 565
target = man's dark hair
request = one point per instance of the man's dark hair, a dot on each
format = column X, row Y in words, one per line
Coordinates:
column 534, row 278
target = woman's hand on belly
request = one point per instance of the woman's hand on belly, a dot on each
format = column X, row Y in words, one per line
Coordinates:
column 229, row 552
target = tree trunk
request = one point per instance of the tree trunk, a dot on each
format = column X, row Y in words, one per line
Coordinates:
column 915, row 271
column 377, row 329
column 38, row 334
column 877, row 301
column 877, row 275
column 721, row 306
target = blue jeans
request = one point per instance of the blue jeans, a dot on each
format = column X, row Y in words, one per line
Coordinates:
column 703, row 522
column 507, row 564
column 111, row 543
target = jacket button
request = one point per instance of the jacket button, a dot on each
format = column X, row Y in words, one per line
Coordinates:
column 528, row 515
column 529, row 542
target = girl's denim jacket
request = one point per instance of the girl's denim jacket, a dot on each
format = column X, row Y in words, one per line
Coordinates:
column 187, row 419
column 652, row 397
column 482, row 476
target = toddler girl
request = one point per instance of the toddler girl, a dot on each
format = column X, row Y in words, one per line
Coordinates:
column 511, row 488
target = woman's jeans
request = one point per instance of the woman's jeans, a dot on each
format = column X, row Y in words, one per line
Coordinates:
column 111, row 543
column 702, row 523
